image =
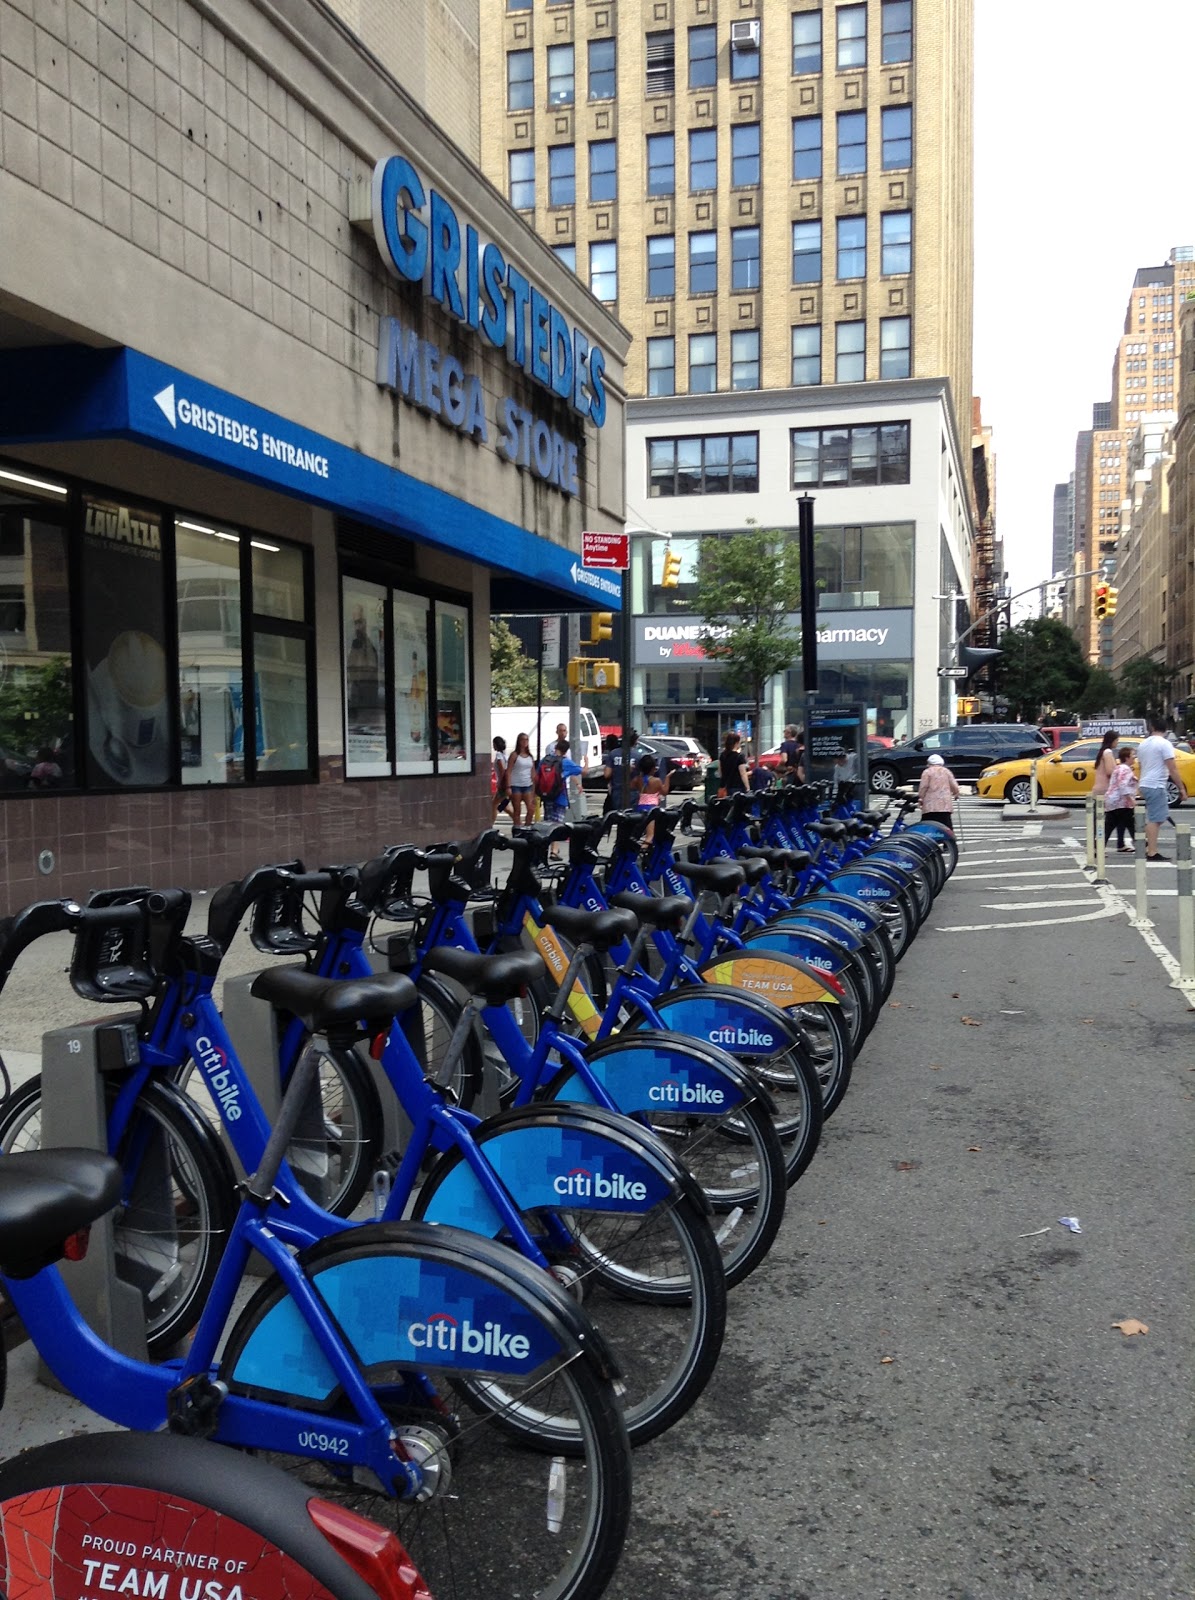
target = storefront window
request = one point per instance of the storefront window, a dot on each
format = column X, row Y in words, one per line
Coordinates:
column 280, row 679
column 277, row 580
column 208, row 586
column 37, row 742
column 884, row 688
column 391, row 685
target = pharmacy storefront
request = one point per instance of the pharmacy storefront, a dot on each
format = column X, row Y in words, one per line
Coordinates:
column 252, row 525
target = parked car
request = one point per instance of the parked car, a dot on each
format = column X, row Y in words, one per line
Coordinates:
column 967, row 751
column 1062, row 735
column 695, row 748
column 672, row 756
column 876, row 747
column 1068, row 774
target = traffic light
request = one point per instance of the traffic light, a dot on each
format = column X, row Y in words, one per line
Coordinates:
column 1100, row 601
column 586, row 672
column 601, row 627
column 671, row 576
column 1110, row 602
column 973, row 656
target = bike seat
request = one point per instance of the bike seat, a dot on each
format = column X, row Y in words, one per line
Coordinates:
column 828, row 830
column 668, row 912
column 602, row 929
column 860, row 828
column 496, row 978
column 755, row 868
column 45, row 1196
column 875, row 816
column 718, row 877
column 324, row 1003
column 777, row 857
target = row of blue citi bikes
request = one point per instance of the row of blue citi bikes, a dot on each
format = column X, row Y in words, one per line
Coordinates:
column 609, row 1072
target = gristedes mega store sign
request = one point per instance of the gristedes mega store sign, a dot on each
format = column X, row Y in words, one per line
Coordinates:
column 841, row 636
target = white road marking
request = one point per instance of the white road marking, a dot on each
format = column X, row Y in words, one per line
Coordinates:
column 1021, row 872
column 1035, row 905
column 1037, row 922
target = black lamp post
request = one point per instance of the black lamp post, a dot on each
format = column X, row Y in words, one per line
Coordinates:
column 808, row 593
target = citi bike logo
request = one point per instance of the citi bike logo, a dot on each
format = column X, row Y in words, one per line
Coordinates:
column 731, row 1035
column 872, row 894
column 823, row 962
column 674, row 1093
column 442, row 1334
column 581, row 1184
column 219, row 1079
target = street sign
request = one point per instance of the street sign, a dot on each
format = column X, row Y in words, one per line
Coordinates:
column 609, row 550
column 550, row 641
column 953, row 672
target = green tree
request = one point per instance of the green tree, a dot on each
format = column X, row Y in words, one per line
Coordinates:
column 748, row 585
column 1042, row 665
column 1100, row 693
column 35, row 706
column 1145, row 687
column 512, row 671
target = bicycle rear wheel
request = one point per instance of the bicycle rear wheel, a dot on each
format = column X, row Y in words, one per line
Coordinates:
column 177, row 1201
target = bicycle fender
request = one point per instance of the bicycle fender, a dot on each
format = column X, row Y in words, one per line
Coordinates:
column 408, row 1295
column 872, row 885
column 860, row 915
column 653, row 1069
column 732, row 1019
column 551, row 1155
column 847, row 934
column 807, row 944
column 783, row 979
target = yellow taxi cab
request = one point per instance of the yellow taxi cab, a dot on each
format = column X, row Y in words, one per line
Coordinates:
column 1068, row 774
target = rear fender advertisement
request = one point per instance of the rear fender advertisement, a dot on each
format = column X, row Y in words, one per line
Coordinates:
column 556, row 959
column 392, row 1309
column 647, row 1078
column 863, row 886
column 80, row 1541
column 737, row 1028
column 784, row 983
column 810, row 948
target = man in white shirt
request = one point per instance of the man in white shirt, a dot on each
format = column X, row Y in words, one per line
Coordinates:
column 1155, row 757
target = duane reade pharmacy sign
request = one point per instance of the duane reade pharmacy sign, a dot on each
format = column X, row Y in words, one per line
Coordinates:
column 842, row 636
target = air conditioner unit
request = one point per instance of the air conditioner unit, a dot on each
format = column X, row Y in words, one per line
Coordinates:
column 745, row 35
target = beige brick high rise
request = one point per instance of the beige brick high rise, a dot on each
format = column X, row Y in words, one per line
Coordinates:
column 653, row 96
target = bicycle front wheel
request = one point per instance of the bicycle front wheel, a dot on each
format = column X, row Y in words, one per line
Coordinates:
column 177, row 1201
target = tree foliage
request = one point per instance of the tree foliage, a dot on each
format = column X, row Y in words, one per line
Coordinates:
column 1043, row 666
column 1100, row 693
column 35, row 706
column 512, row 671
column 748, row 585
column 1145, row 687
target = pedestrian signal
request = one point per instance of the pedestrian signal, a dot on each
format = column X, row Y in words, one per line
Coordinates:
column 1100, row 601
column 671, row 577
column 601, row 627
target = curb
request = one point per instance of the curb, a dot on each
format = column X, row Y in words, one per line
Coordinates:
column 1043, row 813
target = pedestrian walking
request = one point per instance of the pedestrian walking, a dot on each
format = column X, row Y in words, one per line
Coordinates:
column 1155, row 759
column 792, row 753
column 616, row 784
column 501, row 766
column 1105, row 762
column 1119, row 801
column 521, row 780
column 937, row 793
column 652, row 789
column 732, row 766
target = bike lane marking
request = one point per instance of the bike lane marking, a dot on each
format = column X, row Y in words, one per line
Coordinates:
column 1036, row 922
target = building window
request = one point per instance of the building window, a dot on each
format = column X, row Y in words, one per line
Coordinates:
column 744, row 60
column 661, row 265
column 518, row 5
column 703, row 159
column 895, row 346
column 744, row 153
column 852, row 247
column 807, row 147
column 852, row 143
column 522, row 180
column 871, row 565
column 407, row 682
column 661, row 366
column 807, row 41
column 744, row 359
column 603, row 270
column 703, row 363
column 562, row 175
column 851, row 457
column 807, row 252
column 896, row 128
column 661, row 163
column 561, row 83
column 520, row 80
column 852, row 36
column 567, row 253
column 850, row 352
column 603, row 75
column 703, row 58
column 40, row 745
column 744, row 259
column 708, row 464
column 807, row 354
column 603, row 170
column 703, row 263
column 896, row 242
column 896, row 42
column 661, row 63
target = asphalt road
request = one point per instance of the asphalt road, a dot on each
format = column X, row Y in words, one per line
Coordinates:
column 922, row 1392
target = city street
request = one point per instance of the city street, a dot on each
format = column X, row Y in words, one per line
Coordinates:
column 922, row 1390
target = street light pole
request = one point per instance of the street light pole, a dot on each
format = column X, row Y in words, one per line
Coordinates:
column 808, row 600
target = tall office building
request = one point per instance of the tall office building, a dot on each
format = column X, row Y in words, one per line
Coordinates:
column 1064, row 526
column 777, row 202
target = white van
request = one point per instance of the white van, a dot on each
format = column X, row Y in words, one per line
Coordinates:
column 510, row 721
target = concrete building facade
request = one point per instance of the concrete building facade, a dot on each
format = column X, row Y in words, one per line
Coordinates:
column 262, row 476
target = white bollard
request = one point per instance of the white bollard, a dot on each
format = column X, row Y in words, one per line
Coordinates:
column 1033, row 789
column 1141, row 872
column 1090, row 809
column 1186, row 910
column 1101, row 843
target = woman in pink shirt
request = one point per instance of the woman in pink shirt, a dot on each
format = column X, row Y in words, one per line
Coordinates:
column 937, row 793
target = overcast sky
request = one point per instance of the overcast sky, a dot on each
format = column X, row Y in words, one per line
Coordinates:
column 1083, row 135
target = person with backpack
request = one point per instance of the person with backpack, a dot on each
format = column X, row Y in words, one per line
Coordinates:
column 552, row 781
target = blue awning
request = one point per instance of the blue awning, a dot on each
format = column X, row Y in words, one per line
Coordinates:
column 59, row 393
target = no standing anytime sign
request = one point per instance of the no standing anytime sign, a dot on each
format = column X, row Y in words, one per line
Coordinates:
column 609, row 550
